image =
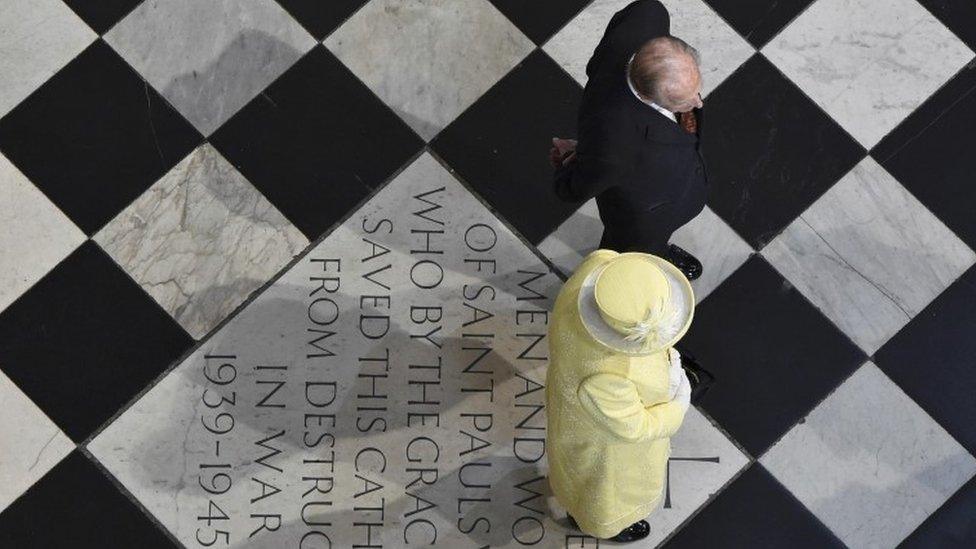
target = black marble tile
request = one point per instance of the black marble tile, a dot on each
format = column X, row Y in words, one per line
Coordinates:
column 952, row 525
column 95, row 136
column 933, row 359
column 320, row 17
column 540, row 19
column 770, row 151
column 500, row 145
column 931, row 154
column 758, row 21
column 755, row 511
column 316, row 142
column 85, row 339
column 958, row 15
column 75, row 506
column 102, row 15
column 773, row 354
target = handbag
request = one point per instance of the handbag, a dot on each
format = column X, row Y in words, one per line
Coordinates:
column 701, row 379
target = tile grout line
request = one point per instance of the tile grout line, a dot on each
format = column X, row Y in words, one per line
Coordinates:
column 757, row 460
column 251, row 297
column 83, row 446
column 933, row 120
column 130, row 496
column 565, row 24
column 495, row 213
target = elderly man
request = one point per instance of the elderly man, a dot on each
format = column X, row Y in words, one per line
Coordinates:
column 639, row 149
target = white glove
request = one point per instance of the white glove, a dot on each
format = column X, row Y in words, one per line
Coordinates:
column 683, row 396
column 675, row 372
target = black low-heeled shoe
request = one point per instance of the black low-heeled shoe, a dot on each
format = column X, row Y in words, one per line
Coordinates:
column 687, row 263
column 636, row 531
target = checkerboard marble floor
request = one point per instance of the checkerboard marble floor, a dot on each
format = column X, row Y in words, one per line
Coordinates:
column 276, row 273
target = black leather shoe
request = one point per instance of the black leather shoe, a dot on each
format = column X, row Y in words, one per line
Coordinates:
column 689, row 265
column 638, row 530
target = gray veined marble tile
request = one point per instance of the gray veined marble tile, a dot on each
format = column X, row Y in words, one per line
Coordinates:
column 869, row 255
column 707, row 237
column 868, row 63
column 200, row 240
column 30, row 443
column 429, row 59
column 37, row 38
column 209, row 57
column 36, row 235
column 721, row 48
column 869, row 462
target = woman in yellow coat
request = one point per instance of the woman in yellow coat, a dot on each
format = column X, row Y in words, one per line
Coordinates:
column 615, row 390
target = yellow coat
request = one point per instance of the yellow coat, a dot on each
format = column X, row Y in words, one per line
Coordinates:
column 609, row 420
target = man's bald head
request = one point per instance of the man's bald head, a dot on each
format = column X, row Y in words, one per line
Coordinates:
column 665, row 70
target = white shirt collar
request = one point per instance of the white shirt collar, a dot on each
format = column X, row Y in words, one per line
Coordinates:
column 651, row 104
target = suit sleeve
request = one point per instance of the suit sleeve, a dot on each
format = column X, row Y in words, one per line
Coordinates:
column 627, row 31
column 612, row 401
column 598, row 165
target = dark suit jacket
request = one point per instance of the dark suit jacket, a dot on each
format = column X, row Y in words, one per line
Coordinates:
column 646, row 172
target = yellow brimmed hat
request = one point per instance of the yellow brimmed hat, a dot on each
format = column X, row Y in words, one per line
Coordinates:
column 636, row 304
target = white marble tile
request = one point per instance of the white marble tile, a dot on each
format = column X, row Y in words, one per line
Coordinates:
column 574, row 238
column 868, row 63
column 429, row 59
column 200, row 240
column 209, row 57
column 856, row 305
column 707, row 237
column 36, row 235
column 573, row 45
column 719, row 248
column 869, row 462
column 869, row 255
column 702, row 461
column 722, row 49
column 349, row 313
column 37, row 38
column 30, row 443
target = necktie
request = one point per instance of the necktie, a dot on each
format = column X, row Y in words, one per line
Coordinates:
column 688, row 121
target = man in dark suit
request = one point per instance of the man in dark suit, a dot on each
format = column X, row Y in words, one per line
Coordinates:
column 639, row 149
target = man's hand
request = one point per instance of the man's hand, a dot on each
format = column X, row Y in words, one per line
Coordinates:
column 563, row 151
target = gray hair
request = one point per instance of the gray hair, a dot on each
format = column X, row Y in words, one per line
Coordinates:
column 659, row 68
